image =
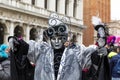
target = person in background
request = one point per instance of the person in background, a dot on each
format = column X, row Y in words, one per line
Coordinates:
column 20, row 67
column 4, row 49
column 113, row 65
column 4, row 62
column 113, row 52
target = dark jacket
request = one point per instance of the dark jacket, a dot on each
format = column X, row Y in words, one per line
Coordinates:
column 99, row 70
column 5, row 69
column 113, row 63
column 101, row 60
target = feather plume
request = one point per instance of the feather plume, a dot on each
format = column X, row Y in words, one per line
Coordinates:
column 96, row 20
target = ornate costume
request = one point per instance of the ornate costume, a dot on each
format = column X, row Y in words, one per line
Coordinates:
column 54, row 61
column 20, row 67
column 71, row 59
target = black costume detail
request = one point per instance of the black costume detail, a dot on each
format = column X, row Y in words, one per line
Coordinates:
column 99, row 70
column 21, row 69
column 57, row 59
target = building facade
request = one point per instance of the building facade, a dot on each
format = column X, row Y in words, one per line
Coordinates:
column 100, row 8
column 27, row 18
column 114, row 27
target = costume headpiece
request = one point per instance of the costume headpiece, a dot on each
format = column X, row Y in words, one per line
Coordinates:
column 111, row 40
column 57, row 26
column 101, row 31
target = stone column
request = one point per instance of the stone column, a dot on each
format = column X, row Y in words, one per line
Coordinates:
column 70, row 8
column 51, row 5
column 27, row 33
column 61, row 6
column 40, row 3
column 79, row 37
column 11, row 30
column 79, row 10
column 27, row 1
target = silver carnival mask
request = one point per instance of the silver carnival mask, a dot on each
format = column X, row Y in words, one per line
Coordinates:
column 57, row 35
column 57, row 42
column 57, row 31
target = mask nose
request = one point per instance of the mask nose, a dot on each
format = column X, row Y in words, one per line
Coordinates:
column 56, row 40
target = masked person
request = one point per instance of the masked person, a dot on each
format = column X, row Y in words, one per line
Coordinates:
column 100, row 68
column 53, row 60
column 20, row 67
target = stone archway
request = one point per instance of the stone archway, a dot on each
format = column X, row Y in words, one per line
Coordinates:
column 18, row 31
column 33, row 34
column 2, row 31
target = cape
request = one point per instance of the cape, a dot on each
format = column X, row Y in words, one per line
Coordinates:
column 21, row 69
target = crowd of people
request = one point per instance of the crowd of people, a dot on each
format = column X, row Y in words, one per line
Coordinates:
column 113, row 46
column 59, row 57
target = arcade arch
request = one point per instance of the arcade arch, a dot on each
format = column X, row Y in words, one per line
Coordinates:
column 33, row 34
column 18, row 31
column 2, row 32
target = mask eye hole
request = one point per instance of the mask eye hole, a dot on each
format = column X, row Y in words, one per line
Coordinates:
column 53, row 38
column 64, row 38
column 58, row 37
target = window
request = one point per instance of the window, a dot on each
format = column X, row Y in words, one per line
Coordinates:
column 74, row 8
column 45, row 4
column 1, row 34
column 33, row 2
column 56, row 6
column 18, row 31
column 33, row 34
column 66, row 6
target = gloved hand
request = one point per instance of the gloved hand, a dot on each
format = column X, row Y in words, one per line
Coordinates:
column 13, row 43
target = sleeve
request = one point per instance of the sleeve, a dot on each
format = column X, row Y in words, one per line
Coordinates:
column 111, row 64
column 35, row 49
column 31, row 51
column 85, row 55
column 79, row 53
column 5, row 70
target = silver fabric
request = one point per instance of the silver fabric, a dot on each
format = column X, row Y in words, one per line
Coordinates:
column 5, row 70
column 72, row 61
